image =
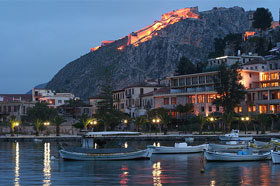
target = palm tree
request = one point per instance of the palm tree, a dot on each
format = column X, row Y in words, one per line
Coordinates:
column 37, row 125
column 140, row 121
column 263, row 119
column 58, row 120
column 228, row 118
column 13, row 123
column 201, row 120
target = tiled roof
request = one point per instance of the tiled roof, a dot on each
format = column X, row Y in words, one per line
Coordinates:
column 12, row 97
column 164, row 90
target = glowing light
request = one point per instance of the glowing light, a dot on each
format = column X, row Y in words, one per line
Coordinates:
column 149, row 31
column 157, row 174
column 211, row 119
column 47, row 165
column 94, row 49
column 123, row 176
column 248, row 34
column 247, row 118
column 121, row 48
column 125, row 145
column 212, row 183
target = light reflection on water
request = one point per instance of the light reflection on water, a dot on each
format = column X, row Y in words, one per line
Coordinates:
column 47, row 165
column 17, row 165
column 32, row 165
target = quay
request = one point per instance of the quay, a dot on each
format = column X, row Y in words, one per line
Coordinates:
column 142, row 137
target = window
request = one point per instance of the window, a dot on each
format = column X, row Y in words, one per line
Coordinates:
column 209, row 79
column 173, row 114
column 202, row 109
column 201, row 79
column 200, row 99
column 217, row 109
column 59, row 101
column 256, row 67
column 239, row 109
column 0, row 109
column 133, row 91
column 270, row 66
column 142, row 90
column 194, row 80
column 273, row 75
column 188, row 81
column 211, row 98
column 182, row 82
column 15, row 108
column 9, row 108
column 264, row 95
column 274, row 95
column 254, row 108
column 249, row 109
column 262, row 67
column 210, row 109
column 262, row 108
column 251, row 68
column 173, row 101
column 166, row 101
column 250, row 75
column 250, row 85
column 191, row 99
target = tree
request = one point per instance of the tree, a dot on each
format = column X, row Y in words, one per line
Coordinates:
column 74, row 104
column 229, row 88
column 140, row 121
column 162, row 114
column 201, row 120
column 262, row 19
column 40, row 113
column 228, row 118
column 58, row 120
column 13, row 123
column 263, row 120
column 185, row 66
column 105, row 111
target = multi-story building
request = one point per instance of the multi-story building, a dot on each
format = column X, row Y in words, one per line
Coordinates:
column 14, row 105
column 93, row 101
column 129, row 99
column 50, row 97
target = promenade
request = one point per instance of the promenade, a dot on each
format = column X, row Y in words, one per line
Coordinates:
column 171, row 136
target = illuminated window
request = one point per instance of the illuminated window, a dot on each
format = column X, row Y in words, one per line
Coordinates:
column 249, row 109
column 275, row 84
column 173, row 101
column 254, row 108
column 166, row 101
column 274, row 75
column 200, row 99
column 211, row 98
column 191, row 99
column 272, row 108
column 262, row 108
column 264, row 95
column 173, row 114
column 236, row 109
column 239, row 109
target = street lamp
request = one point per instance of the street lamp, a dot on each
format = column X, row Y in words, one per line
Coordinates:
column 46, row 123
column 245, row 120
column 16, row 125
column 156, row 121
column 212, row 120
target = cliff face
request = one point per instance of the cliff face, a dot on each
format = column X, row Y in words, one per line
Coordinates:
column 157, row 57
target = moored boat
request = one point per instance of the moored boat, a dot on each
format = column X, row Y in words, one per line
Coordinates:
column 104, row 154
column 224, row 146
column 178, row 148
column 240, row 156
column 234, row 136
column 275, row 155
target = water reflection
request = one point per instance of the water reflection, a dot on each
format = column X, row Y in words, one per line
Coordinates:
column 212, row 183
column 47, row 165
column 157, row 174
column 124, row 175
column 16, row 181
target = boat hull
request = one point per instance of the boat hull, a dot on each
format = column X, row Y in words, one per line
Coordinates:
column 175, row 150
column 275, row 156
column 228, row 138
column 142, row 154
column 222, row 146
column 216, row 156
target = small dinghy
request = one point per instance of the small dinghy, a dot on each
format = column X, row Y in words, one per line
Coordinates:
column 244, row 155
column 234, row 136
column 77, row 153
column 178, row 148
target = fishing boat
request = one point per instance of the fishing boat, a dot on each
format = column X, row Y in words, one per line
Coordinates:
column 226, row 146
column 275, row 155
column 77, row 153
column 178, row 149
column 247, row 155
column 234, row 136
column 260, row 144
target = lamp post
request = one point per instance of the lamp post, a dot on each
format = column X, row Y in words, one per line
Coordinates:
column 212, row 120
column 93, row 123
column 246, row 120
column 17, row 125
column 47, row 124
column 157, row 121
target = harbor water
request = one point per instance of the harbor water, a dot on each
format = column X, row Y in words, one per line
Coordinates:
column 30, row 163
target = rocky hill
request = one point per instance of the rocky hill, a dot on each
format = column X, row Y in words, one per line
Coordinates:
column 156, row 57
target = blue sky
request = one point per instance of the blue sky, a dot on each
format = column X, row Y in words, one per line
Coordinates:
column 39, row 37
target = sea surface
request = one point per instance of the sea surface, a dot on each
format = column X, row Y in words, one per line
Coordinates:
column 27, row 163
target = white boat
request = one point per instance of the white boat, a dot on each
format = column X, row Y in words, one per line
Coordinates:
column 275, row 155
column 178, row 148
column 224, row 146
column 240, row 156
column 234, row 136
column 104, row 154
column 275, row 140
column 260, row 144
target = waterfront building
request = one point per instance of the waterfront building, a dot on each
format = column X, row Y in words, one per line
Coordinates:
column 93, row 101
column 129, row 99
column 52, row 98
